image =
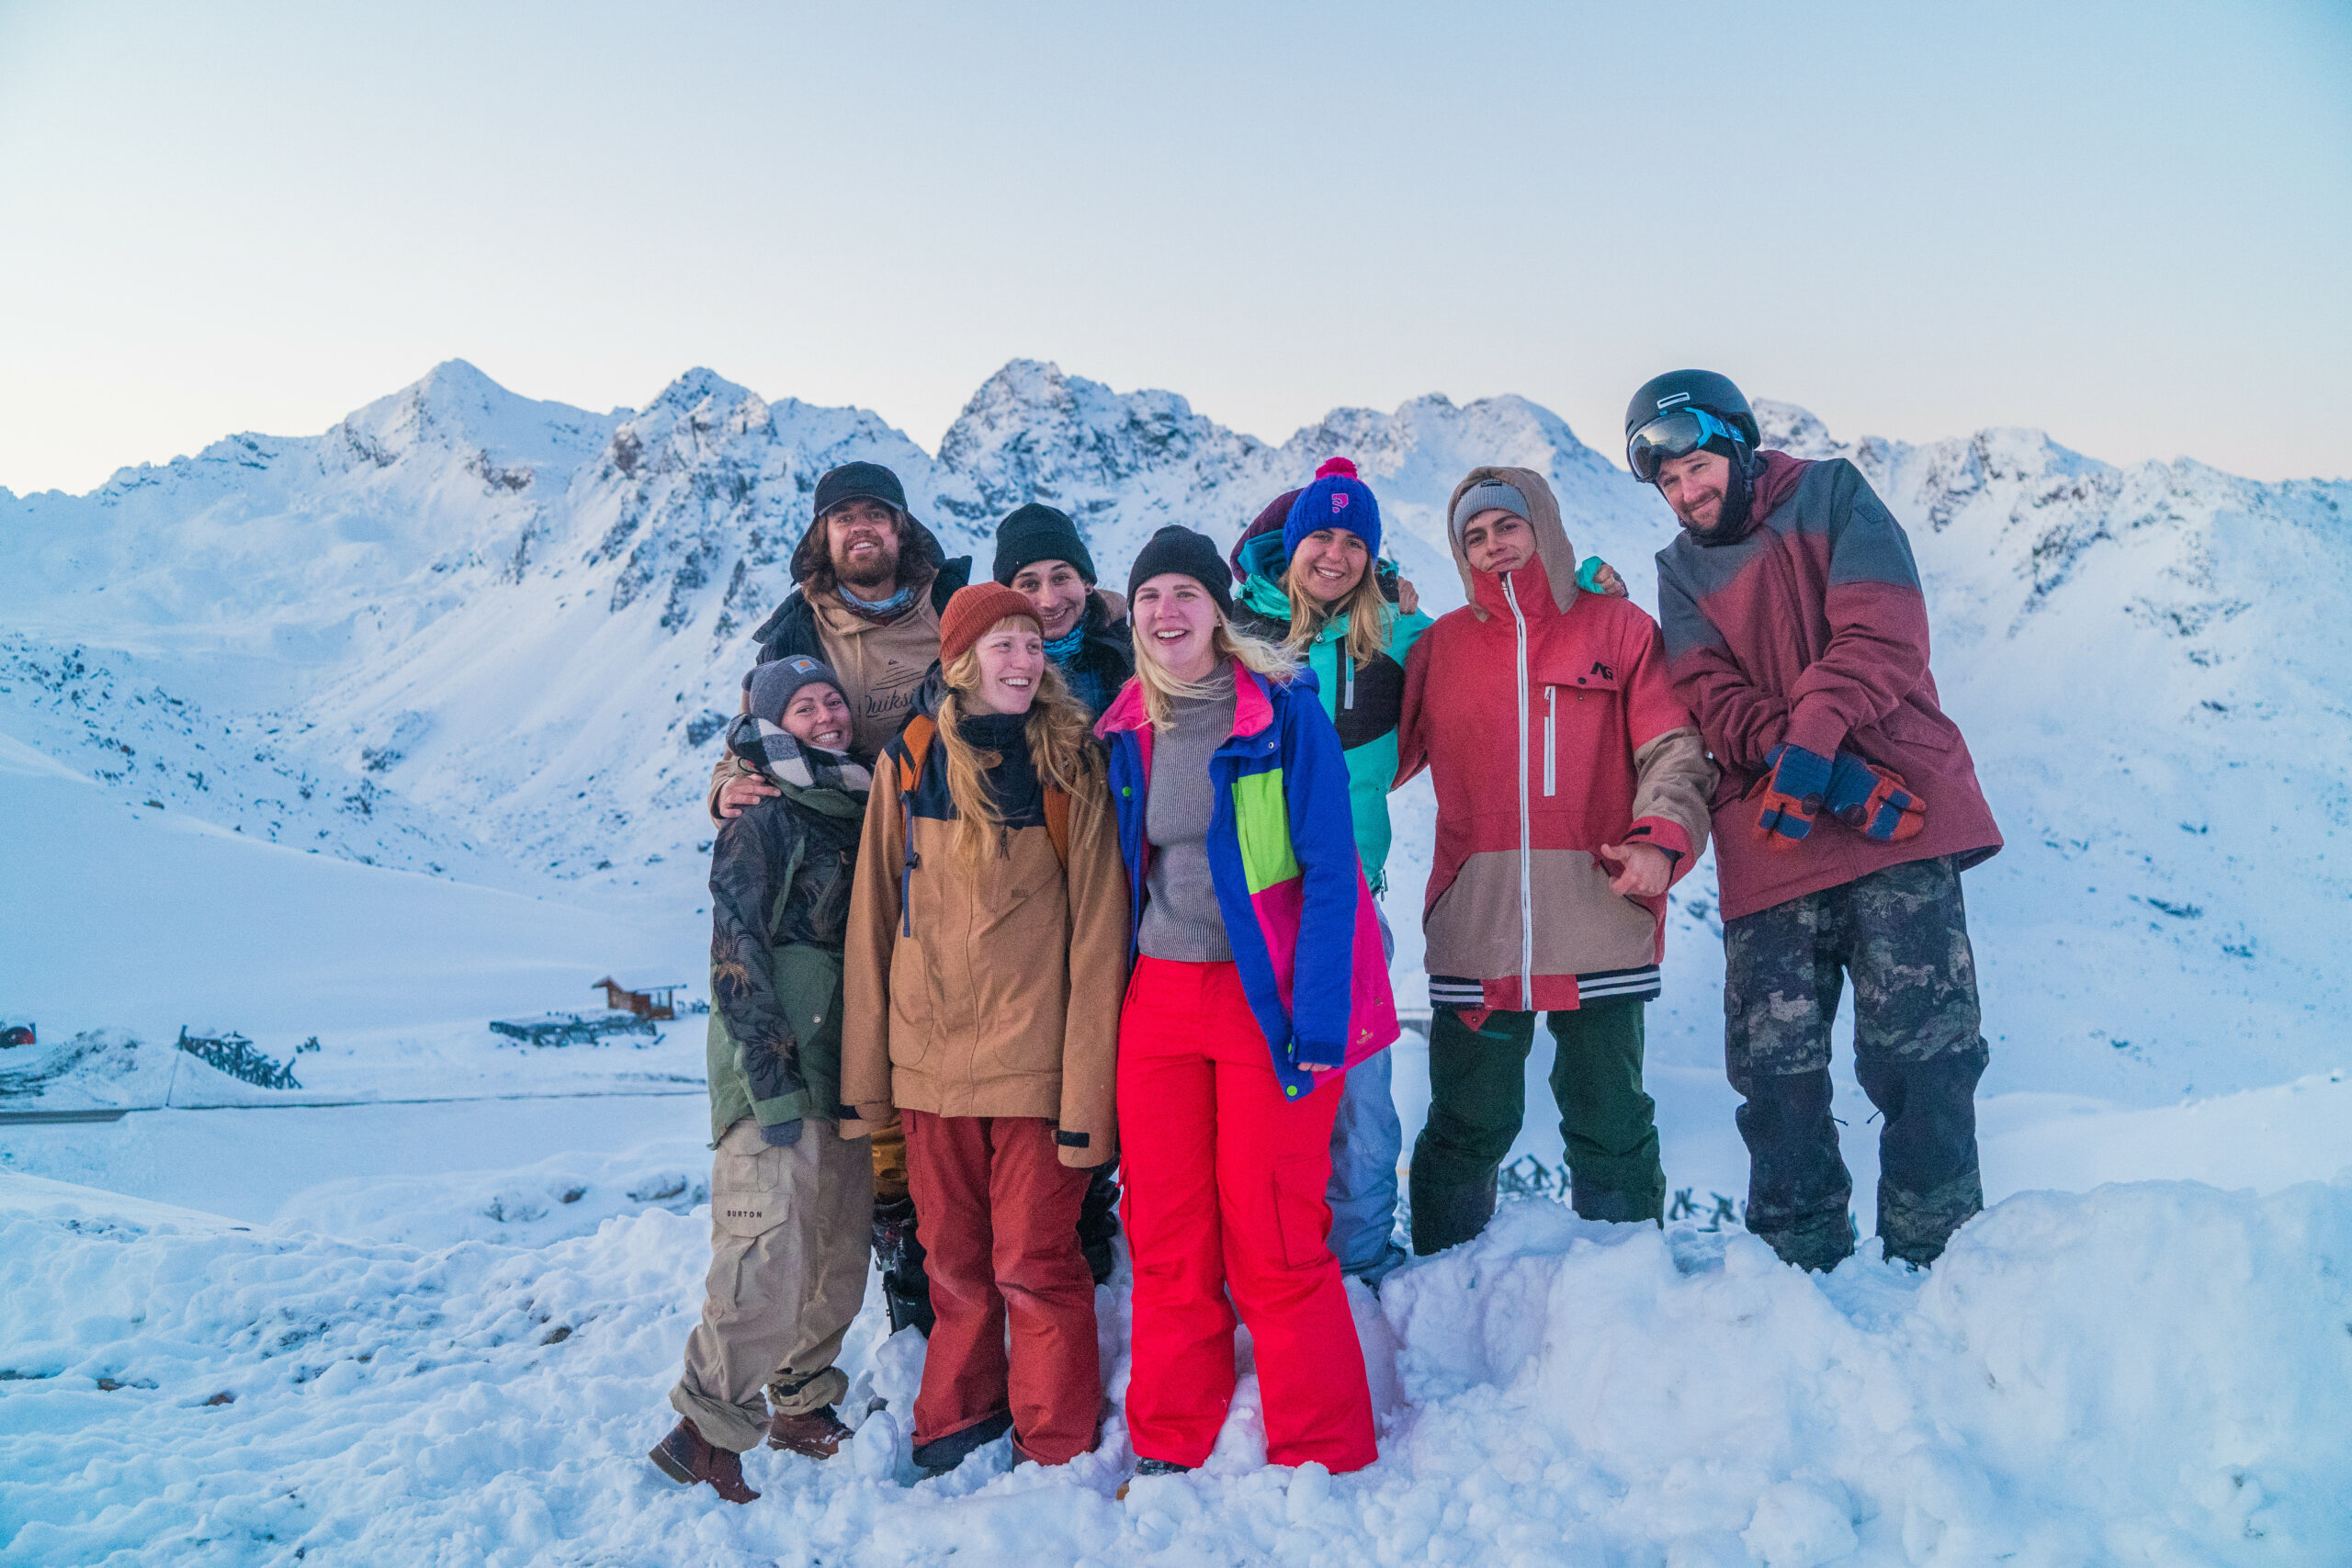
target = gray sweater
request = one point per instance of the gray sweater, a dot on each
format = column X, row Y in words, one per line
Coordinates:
column 1180, row 918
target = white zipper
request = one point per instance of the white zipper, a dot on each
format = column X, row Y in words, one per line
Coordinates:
column 1526, row 831
column 1347, row 680
column 1551, row 740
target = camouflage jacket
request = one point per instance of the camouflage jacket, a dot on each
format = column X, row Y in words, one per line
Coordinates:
column 780, row 876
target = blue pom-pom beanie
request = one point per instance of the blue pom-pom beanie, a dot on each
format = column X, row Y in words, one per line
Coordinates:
column 1336, row 500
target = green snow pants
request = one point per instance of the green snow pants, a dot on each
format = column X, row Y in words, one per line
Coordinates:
column 1478, row 1099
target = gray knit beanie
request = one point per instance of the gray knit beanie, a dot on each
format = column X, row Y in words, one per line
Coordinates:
column 1488, row 495
column 774, row 684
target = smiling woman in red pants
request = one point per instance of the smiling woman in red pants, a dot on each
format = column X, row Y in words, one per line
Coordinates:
column 1257, row 979
column 985, row 957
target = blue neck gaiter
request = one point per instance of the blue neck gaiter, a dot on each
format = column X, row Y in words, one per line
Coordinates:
column 881, row 609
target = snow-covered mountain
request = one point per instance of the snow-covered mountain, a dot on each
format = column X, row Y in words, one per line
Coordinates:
column 466, row 633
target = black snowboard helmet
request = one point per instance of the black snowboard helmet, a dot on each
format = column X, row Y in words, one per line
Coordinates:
column 1663, row 396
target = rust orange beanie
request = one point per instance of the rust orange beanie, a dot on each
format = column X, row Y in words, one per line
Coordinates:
column 972, row 611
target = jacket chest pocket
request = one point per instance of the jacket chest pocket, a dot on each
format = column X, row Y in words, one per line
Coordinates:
column 1571, row 696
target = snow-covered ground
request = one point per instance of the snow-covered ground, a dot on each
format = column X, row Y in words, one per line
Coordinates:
column 2158, row 1373
column 373, row 736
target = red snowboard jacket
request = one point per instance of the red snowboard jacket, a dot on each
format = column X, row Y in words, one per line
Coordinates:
column 1811, row 629
column 1547, row 718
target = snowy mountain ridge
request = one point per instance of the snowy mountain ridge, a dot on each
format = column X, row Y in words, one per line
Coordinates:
column 470, row 633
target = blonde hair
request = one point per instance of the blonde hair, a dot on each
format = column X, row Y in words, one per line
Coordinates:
column 1058, row 733
column 1229, row 642
column 1365, row 607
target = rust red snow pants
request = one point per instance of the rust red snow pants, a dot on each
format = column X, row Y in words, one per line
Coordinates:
column 1224, row 1181
column 1000, row 1220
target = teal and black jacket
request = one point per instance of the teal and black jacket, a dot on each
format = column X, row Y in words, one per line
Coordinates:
column 1363, row 702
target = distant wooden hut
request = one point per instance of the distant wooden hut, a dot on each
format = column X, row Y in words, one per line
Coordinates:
column 646, row 1001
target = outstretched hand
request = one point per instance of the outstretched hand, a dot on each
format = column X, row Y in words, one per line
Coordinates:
column 1408, row 598
column 1644, row 870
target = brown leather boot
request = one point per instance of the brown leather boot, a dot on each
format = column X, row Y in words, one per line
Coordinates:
column 684, row 1458
column 817, row 1433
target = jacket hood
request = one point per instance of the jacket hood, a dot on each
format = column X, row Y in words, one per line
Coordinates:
column 1098, row 623
column 918, row 548
column 793, row 623
column 1270, row 521
column 1552, row 550
column 1775, row 485
column 1259, row 566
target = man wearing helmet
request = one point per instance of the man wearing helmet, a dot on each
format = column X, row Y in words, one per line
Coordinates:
column 1847, row 808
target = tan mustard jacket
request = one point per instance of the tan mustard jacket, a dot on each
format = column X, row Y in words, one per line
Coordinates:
column 987, row 990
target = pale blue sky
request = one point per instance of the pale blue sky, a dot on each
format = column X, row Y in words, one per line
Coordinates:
column 2129, row 224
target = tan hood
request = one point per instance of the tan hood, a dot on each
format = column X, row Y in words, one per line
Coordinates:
column 1552, row 546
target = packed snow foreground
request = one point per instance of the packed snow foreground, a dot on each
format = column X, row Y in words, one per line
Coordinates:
column 2156, row 1372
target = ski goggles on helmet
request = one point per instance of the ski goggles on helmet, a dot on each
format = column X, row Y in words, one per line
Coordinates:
column 1675, row 435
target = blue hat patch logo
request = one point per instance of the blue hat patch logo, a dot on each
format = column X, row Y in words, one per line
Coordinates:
column 1339, row 500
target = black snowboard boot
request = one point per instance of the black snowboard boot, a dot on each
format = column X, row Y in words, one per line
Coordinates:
column 906, row 1289
column 943, row 1454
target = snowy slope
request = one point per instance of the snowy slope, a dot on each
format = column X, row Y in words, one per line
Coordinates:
column 475, row 636
column 121, row 924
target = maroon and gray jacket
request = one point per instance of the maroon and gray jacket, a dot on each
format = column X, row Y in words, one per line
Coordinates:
column 1811, row 629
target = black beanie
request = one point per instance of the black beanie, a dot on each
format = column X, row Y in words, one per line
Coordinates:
column 1178, row 548
column 1038, row 533
column 859, row 482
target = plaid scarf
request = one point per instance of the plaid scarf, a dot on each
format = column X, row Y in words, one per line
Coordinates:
column 772, row 752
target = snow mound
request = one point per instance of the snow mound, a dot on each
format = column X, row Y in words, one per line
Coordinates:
column 2152, row 1373
column 97, row 1069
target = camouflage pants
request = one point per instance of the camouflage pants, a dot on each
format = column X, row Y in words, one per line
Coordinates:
column 1902, row 935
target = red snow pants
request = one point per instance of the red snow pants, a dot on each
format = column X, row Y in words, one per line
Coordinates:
column 1225, row 1182
column 1000, row 1223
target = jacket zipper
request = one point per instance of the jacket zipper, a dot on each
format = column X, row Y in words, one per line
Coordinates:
column 1526, row 833
column 907, row 866
column 1551, row 740
column 1347, row 680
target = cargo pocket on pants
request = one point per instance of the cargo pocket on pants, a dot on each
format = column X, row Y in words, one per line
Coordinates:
column 748, row 1197
column 1301, row 1216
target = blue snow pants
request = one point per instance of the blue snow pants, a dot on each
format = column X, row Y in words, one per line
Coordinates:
column 1366, row 1141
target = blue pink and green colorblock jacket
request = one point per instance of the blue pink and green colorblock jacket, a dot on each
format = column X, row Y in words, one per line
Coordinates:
column 1281, row 848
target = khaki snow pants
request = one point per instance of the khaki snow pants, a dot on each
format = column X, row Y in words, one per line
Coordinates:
column 789, row 1252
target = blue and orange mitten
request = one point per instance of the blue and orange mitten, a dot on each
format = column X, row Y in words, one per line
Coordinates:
column 1874, row 801
column 1793, row 791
